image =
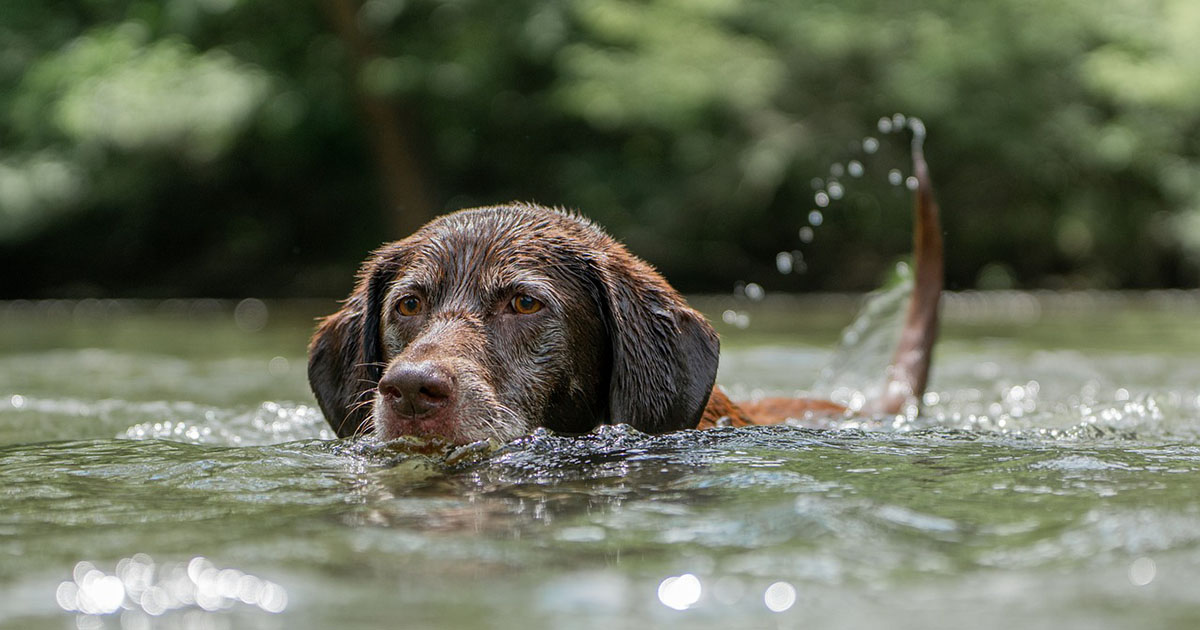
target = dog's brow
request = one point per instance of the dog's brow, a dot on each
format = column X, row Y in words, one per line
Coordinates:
column 524, row 281
column 414, row 281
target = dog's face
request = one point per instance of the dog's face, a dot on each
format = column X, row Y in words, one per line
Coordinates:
column 488, row 332
column 494, row 321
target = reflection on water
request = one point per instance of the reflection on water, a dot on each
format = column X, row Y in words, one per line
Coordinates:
column 1050, row 480
column 138, row 585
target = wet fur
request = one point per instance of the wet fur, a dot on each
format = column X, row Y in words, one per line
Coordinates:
column 614, row 343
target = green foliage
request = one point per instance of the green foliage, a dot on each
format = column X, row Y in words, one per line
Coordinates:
column 111, row 87
column 227, row 146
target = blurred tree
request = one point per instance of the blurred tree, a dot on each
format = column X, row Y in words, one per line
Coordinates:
column 390, row 125
column 235, row 146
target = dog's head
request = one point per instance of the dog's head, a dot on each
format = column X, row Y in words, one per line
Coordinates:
column 494, row 321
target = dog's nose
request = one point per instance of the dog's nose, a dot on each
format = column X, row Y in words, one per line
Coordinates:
column 416, row 389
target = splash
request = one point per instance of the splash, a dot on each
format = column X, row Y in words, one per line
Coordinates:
column 865, row 347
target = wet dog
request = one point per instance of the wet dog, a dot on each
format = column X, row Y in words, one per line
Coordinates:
column 491, row 322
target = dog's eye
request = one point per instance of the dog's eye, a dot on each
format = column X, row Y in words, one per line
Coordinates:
column 409, row 305
column 525, row 305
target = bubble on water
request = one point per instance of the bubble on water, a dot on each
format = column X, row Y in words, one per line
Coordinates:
column 251, row 314
column 806, row 234
column 755, row 292
column 895, row 177
column 911, row 182
column 783, row 262
column 837, row 170
column 836, row 191
column 680, row 591
column 821, row 199
column 815, row 218
column 870, row 145
column 855, row 168
column 1142, row 571
column 779, row 596
column 885, row 125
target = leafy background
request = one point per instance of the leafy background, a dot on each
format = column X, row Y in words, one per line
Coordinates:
column 237, row 147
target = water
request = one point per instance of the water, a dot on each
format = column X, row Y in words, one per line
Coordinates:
column 164, row 462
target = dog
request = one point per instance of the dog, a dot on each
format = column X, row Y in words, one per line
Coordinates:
column 492, row 322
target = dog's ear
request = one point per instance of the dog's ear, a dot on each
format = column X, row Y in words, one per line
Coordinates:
column 345, row 356
column 664, row 353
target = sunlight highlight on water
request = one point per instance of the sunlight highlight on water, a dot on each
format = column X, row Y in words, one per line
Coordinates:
column 680, row 591
column 779, row 597
column 270, row 423
column 140, row 584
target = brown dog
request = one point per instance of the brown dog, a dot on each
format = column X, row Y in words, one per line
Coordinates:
column 494, row 321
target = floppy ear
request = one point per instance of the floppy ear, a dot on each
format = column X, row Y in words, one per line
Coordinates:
column 345, row 356
column 665, row 353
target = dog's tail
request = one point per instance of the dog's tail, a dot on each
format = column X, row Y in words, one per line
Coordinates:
column 908, row 372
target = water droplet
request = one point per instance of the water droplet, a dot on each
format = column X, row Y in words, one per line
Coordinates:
column 855, row 168
column 755, row 292
column 816, row 218
column 783, row 262
column 885, row 125
column 821, row 199
column 870, row 145
column 806, row 234
column 837, row 170
column 894, row 177
column 911, row 182
column 898, row 121
column 799, row 266
column 817, row 183
column 917, row 126
column 17, row 401
column 836, row 191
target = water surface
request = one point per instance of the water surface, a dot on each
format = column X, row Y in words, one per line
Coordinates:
column 162, row 466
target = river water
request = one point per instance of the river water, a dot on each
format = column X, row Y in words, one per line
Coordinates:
column 162, row 465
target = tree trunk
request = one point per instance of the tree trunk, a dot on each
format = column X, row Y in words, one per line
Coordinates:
column 388, row 129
